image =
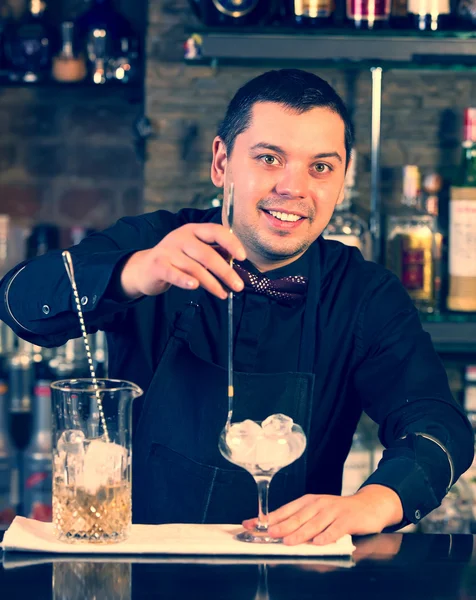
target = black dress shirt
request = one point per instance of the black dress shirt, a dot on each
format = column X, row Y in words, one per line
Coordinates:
column 371, row 351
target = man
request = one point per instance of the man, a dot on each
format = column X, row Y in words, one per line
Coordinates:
column 326, row 336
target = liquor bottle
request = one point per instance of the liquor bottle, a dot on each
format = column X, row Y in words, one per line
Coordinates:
column 357, row 467
column 432, row 189
column 312, row 12
column 100, row 30
column 410, row 240
column 20, row 375
column 44, row 237
column 345, row 226
column 125, row 67
column 368, row 14
column 9, row 472
column 469, row 404
column 37, row 458
column 30, row 44
column 466, row 14
column 99, row 343
column 462, row 234
column 68, row 65
column 399, row 18
column 430, row 15
column 70, row 361
column 235, row 12
column 5, row 20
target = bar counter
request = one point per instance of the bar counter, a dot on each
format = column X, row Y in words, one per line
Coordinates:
column 384, row 566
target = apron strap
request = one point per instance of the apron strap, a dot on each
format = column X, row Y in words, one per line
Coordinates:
column 307, row 350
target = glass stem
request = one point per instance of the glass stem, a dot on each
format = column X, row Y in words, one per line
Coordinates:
column 263, row 487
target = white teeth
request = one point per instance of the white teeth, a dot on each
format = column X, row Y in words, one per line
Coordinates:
column 284, row 216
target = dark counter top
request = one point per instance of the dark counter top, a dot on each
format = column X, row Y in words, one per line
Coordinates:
column 387, row 566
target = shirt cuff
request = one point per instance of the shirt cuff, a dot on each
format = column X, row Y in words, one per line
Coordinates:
column 53, row 294
column 406, row 478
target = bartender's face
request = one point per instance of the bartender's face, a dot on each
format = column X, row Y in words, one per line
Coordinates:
column 288, row 173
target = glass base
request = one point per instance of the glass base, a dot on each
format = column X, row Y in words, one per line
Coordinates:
column 257, row 537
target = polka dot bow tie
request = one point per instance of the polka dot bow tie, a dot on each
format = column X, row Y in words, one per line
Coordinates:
column 287, row 290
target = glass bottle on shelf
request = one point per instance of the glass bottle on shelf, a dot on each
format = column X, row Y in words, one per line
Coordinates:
column 469, row 404
column 100, row 31
column 432, row 188
column 20, row 383
column 410, row 239
column 68, row 65
column 312, row 12
column 399, row 18
column 38, row 456
column 466, row 14
column 43, row 238
column 430, row 15
column 9, row 471
column 345, row 226
column 30, row 44
column 368, row 14
column 462, row 225
column 126, row 67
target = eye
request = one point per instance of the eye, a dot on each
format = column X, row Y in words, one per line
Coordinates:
column 268, row 159
column 321, row 167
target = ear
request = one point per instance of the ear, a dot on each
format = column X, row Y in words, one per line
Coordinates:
column 219, row 161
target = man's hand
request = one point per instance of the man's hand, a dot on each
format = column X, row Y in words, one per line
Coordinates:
column 185, row 258
column 324, row 519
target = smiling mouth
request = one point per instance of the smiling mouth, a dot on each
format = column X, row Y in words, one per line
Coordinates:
column 284, row 216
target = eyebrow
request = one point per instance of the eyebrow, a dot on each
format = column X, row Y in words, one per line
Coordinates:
column 279, row 150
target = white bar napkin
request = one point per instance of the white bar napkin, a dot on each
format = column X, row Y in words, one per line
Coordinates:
column 28, row 535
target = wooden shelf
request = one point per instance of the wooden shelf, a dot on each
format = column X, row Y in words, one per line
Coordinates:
column 395, row 48
column 452, row 336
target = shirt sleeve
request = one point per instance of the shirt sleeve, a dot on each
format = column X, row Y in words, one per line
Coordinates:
column 38, row 302
column 404, row 388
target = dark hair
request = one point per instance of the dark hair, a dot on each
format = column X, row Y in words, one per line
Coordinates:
column 293, row 88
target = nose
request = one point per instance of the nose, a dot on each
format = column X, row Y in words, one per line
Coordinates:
column 293, row 182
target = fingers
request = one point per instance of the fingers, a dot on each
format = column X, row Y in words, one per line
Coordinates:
column 190, row 267
column 310, row 529
column 332, row 533
column 288, row 510
column 282, row 513
column 213, row 263
column 212, row 233
column 295, row 523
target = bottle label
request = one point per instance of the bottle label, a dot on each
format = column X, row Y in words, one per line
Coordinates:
column 413, row 268
column 37, row 492
column 313, row 8
column 470, row 398
column 462, row 244
column 8, row 490
column 429, row 7
column 368, row 9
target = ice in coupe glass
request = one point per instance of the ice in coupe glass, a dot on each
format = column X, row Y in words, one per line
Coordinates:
column 262, row 448
column 92, row 459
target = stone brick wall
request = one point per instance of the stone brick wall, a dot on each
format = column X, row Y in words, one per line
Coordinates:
column 421, row 115
column 68, row 155
column 66, row 159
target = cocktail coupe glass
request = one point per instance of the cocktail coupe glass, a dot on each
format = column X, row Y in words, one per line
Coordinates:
column 92, row 455
column 262, row 448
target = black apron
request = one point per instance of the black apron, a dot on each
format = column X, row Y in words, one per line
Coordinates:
column 179, row 475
